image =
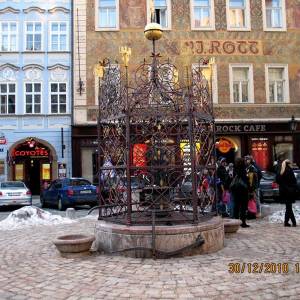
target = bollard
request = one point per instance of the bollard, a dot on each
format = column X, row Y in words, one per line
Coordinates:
column 71, row 213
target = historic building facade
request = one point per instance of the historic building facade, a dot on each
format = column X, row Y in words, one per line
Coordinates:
column 255, row 77
column 35, row 91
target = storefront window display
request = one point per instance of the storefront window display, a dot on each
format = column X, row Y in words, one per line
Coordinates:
column 260, row 151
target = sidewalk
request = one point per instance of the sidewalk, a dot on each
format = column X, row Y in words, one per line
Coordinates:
column 31, row 268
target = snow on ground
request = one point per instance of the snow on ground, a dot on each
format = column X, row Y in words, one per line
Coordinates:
column 31, row 216
column 278, row 216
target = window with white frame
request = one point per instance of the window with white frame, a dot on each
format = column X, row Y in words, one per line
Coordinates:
column 241, row 83
column 209, row 73
column 58, row 36
column 202, row 14
column 58, row 98
column 161, row 13
column 107, row 14
column 8, row 98
column 33, row 98
column 33, row 32
column 274, row 14
column 8, row 36
column 277, row 84
column 238, row 15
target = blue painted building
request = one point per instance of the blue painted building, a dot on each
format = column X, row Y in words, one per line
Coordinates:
column 35, row 91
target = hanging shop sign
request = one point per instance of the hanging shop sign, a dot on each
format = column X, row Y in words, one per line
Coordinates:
column 3, row 140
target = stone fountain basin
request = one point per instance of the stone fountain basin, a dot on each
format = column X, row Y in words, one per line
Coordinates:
column 231, row 225
column 74, row 244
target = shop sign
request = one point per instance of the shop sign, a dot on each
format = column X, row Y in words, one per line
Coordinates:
column 241, row 128
column 224, row 146
column 2, row 139
column 31, row 153
column 139, row 155
column 62, row 170
column 223, row 47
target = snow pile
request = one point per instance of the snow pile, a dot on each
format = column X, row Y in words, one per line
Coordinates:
column 278, row 216
column 31, row 216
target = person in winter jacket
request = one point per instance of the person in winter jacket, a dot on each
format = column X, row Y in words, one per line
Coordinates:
column 287, row 190
column 239, row 190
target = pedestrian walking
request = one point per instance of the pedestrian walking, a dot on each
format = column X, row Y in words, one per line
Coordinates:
column 239, row 191
column 287, row 190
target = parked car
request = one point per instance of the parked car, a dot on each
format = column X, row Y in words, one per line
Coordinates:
column 14, row 193
column 69, row 192
column 297, row 175
column 269, row 189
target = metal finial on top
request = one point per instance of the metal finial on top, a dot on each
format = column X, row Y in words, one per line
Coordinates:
column 126, row 53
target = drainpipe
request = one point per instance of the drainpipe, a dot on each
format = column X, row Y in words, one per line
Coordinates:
column 72, row 79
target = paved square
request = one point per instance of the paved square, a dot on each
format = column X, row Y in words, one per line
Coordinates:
column 31, row 268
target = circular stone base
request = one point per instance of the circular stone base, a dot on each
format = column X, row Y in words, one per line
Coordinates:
column 231, row 225
column 137, row 241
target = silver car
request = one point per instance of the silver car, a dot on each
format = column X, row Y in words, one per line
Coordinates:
column 14, row 193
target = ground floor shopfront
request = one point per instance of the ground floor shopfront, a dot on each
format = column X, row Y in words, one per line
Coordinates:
column 35, row 157
column 265, row 141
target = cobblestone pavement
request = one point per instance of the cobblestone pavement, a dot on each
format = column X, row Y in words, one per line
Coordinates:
column 31, row 268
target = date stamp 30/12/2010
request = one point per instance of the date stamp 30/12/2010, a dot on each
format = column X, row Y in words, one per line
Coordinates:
column 263, row 267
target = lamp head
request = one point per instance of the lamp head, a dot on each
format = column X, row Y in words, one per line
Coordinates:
column 153, row 31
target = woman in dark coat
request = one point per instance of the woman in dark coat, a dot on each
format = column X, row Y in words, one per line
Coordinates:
column 287, row 190
column 239, row 192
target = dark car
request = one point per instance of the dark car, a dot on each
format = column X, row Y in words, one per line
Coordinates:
column 297, row 175
column 268, row 187
column 69, row 192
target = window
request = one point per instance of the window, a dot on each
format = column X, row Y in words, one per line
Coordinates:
column 58, row 95
column 108, row 14
column 33, row 31
column 241, row 83
column 274, row 15
column 277, row 87
column 8, row 98
column 162, row 13
column 33, row 96
column 203, row 14
column 238, row 15
column 8, row 36
column 58, row 36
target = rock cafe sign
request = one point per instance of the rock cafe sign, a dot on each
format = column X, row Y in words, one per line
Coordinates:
column 241, row 128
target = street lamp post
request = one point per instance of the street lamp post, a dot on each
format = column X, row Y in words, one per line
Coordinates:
column 293, row 128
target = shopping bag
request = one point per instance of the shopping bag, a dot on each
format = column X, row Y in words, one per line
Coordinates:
column 252, row 206
column 226, row 197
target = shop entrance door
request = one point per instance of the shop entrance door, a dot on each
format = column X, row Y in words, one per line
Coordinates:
column 34, row 177
column 32, row 164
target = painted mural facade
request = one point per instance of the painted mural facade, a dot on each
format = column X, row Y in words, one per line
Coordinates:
column 261, row 58
column 35, row 87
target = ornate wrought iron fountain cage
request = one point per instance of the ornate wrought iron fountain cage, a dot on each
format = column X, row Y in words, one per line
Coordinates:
column 156, row 141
